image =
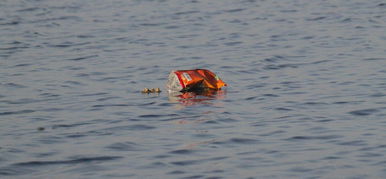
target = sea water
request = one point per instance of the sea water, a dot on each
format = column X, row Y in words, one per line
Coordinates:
column 306, row 95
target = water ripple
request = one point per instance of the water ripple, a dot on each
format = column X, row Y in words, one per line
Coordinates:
column 363, row 112
column 124, row 146
column 82, row 58
column 325, row 137
column 16, row 112
column 195, row 162
column 74, row 161
column 306, row 89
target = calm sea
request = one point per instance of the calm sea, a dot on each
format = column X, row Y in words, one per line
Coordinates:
column 306, row 95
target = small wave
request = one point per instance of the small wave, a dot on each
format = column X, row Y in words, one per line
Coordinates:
column 244, row 141
column 10, row 23
column 185, row 162
column 316, row 18
column 59, row 162
column 14, row 47
column 181, row 152
column 16, row 112
column 139, row 127
column 300, row 169
column 172, row 27
column 283, row 109
column 376, row 95
column 331, row 158
column 277, row 67
column 82, row 58
column 193, row 177
column 278, row 132
column 176, row 172
column 68, row 44
column 56, row 126
column 363, row 112
column 234, row 10
column 22, row 101
column 157, row 115
column 57, row 19
column 374, row 59
column 107, row 98
column 94, row 94
column 14, row 85
column 109, row 105
column 354, row 143
column 155, row 165
column 199, row 161
column 28, row 9
column 152, row 24
column 186, row 12
column 233, row 43
column 23, row 65
column 237, row 141
column 314, row 103
column 274, row 59
column 73, row 83
column 124, row 146
column 271, row 95
column 10, row 171
column 325, row 137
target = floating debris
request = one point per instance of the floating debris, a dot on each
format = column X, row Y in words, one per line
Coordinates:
column 153, row 90
column 200, row 81
column 194, row 81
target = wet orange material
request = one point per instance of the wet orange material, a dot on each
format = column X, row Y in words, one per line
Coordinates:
column 199, row 78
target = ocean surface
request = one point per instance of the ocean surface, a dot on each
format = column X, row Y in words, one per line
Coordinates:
column 306, row 95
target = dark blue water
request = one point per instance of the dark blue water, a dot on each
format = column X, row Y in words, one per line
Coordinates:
column 306, row 95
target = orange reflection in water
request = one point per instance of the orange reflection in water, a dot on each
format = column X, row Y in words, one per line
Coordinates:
column 193, row 98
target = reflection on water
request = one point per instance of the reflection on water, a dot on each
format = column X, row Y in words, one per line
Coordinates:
column 193, row 98
column 193, row 145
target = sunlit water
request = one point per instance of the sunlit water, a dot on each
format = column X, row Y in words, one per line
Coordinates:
column 306, row 95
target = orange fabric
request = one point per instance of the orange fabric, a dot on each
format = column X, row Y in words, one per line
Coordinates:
column 199, row 78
